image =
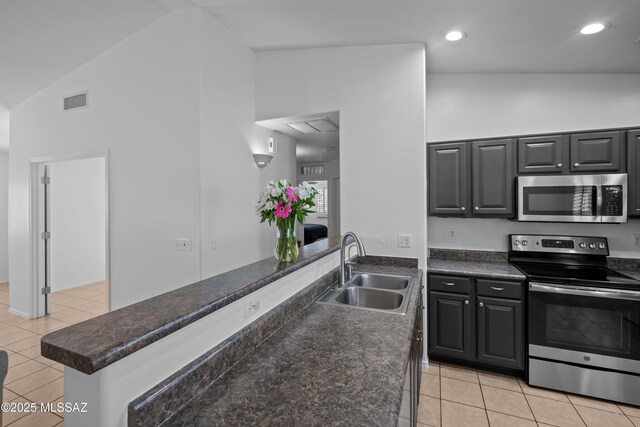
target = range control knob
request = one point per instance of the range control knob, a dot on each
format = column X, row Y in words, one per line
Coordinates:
column 582, row 245
column 601, row 246
column 592, row 245
column 516, row 242
column 525, row 242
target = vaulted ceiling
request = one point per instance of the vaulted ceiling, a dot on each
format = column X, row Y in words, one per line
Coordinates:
column 42, row 40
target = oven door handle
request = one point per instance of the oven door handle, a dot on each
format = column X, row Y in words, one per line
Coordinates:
column 585, row 291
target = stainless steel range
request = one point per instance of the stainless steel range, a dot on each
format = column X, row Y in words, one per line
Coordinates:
column 583, row 319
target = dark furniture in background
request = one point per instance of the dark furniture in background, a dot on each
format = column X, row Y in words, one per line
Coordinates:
column 313, row 232
column 4, row 366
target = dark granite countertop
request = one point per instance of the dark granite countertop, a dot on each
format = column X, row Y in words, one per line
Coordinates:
column 96, row 343
column 483, row 269
column 328, row 365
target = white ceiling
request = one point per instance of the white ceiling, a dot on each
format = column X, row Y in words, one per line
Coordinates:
column 42, row 40
column 312, row 147
column 503, row 36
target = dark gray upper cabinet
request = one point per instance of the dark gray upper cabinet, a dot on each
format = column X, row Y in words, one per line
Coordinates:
column 597, row 152
column 493, row 177
column 448, row 179
column 633, row 168
column 450, row 325
column 543, row 154
column 500, row 332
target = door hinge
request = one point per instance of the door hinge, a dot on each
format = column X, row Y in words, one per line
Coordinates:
column 45, row 235
column 45, row 180
column 46, row 290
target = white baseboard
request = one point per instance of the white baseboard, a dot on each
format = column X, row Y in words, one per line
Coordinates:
column 58, row 288
column 19, row 313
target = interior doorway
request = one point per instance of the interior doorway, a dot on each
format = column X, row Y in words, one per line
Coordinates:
column 70, row 246
column 317, row 139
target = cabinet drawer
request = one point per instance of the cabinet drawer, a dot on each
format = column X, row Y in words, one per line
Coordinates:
column 499, row 289
column 459, row 285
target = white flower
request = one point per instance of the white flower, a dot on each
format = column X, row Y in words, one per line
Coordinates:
column 276, row 192
column 304, row 194
column 269, row 205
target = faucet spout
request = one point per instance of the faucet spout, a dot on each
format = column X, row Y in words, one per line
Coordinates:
column 343, row 245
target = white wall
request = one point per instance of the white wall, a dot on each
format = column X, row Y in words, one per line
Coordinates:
column 379, row 91
column 77, row 218
column 477, row 106
column 174, row 103
column 230, row 179
column 4, row 212
column 144, row 106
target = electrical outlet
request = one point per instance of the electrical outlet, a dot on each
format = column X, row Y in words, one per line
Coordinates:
column 404, row 240
column 635, row 240
column 251, row 307
column 183, row 245
column 214, row 243
column 453, row 234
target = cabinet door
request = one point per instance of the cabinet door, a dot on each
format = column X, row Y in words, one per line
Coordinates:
column 448, row 175
column 597, row 152
column 633, row 168
column 493, row 176
column 450, row 325
column 543, row 154
column 500, row 332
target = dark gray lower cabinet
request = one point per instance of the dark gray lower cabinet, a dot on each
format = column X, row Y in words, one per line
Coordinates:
column 633, row 161
column 411, row 393
column 500, row 332
column 450, row 325
column 474, row 327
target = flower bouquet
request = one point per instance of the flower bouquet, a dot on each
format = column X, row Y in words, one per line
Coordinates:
column 284, row 204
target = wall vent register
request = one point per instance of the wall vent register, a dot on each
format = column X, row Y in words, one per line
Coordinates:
column 76, row 101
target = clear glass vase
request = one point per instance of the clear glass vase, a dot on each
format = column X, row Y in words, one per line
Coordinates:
column 286, row 242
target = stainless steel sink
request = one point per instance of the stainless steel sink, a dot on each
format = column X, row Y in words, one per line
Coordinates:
column 370, row 298
column 379, row 281
column 368, row 291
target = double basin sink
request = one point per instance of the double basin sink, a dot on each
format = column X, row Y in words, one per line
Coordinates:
column 372, row 291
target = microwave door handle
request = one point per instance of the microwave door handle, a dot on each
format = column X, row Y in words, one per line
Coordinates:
column 599, row 203
column 585, row 291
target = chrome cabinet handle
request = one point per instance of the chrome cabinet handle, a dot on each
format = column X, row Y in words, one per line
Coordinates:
column 448, row 283
column 462, row 208
column 576, row 164
column 481, row 304
column 477, row 208
column 497, row 289
column 466, row 302
column 559, row 165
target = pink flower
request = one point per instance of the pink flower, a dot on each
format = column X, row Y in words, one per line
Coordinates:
column 282, row 210
column 291, row 195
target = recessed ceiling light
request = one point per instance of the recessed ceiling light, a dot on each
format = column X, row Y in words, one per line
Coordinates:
column 594, row 28
column 454, row 36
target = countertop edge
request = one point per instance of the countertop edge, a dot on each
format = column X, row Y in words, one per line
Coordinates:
column 53, row 345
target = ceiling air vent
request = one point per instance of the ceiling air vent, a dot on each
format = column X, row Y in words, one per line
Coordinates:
column 321, row 125
column 76, row 101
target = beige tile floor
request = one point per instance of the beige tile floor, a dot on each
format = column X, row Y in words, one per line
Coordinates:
column 453, row 396
column 31, row 377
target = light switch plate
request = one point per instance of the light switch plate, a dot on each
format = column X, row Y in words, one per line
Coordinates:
column 404, row 240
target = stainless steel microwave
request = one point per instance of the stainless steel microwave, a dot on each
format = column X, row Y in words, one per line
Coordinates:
column 573, row 198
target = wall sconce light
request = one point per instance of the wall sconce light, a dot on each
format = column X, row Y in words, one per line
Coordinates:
column 262, row 160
